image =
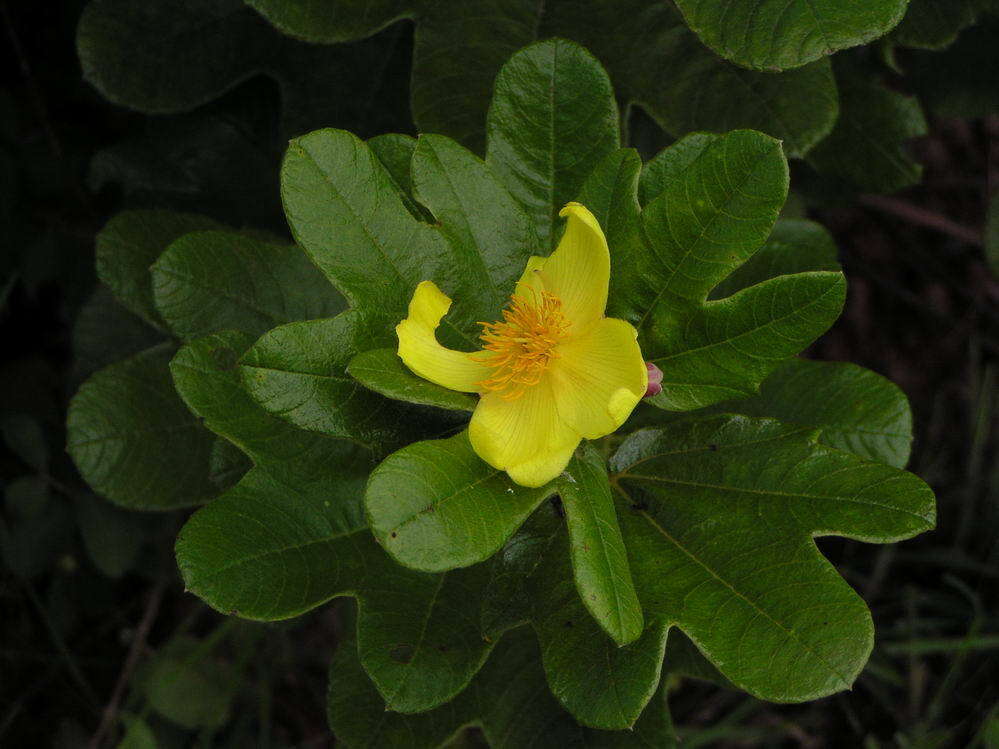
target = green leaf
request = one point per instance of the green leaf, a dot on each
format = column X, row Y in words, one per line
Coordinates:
column 162, row 58
column 382, row 370
column 345, row 212
column 720, row 538
column 134, row 441
column 856, row 410
column 934, row 24
column 111, row 536
column 726, row 348
column 148, row 37
column 291, row 536
column 867, row 148
column 181, row 670
column 315, row 21
column 963, row 80
column 221, row 160
column 210, row 281
column 206, row 374
column 798, row 107
column 775, row 36
column 395, row 152
column 794, row 246
column 637, row 39
column 130, row 243
column 138, row 734
column 711, row 213
column 105, row 332
column 601, row 684
column 297, row 372
column 553, row 117
column 710, row 202
column 599, row 560
column 508, row 699
column 436, row 505
column 458, row 49
column 281, row 543
column 486, row 226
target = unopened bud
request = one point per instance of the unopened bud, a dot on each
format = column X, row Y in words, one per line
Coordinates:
column 655, row 380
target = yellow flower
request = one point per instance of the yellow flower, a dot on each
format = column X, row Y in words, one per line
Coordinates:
column 553, row 371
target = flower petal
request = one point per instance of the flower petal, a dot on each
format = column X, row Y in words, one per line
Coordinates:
column 530, row 283
column 420, row 350
column 578, row 272
column 523, row 437
column 599, row 378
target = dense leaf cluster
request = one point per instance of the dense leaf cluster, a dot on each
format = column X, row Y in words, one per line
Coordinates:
column 333, row 471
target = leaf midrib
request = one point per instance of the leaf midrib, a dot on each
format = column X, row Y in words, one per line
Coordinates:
column 845, row 681
column 773, row 321
column 760, row 159
column 768, row 492
column 215, row 573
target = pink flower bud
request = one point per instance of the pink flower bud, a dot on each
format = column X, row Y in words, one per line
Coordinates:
column 655, row 380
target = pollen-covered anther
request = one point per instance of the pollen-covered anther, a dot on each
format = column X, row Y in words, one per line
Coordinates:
column 520, row 347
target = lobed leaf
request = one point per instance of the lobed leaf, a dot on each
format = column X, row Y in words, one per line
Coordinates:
column 291, row 535
column 856, row 410
column 933, row 24
column 718, row 515
column 436, row 505
column 508, row 699
column 210, row 281
column 774, row 36
column 723, row 513
column 458, row 50
column 298, row 373
column 382, row 370
column 656, row 62
column 602, row 684
column 345, row 212
column 712, row 212
column 487, row 228
column 867, row 148
column 163, row 57
column 134, row 441
column 709, row 203
column 553, row 115
column 129, row 243
column 599, row 559
column 726, row 347
column 315, row 21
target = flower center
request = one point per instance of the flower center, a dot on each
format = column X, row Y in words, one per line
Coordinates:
column 520, row 346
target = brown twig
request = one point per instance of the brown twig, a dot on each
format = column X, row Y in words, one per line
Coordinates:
column 110, row 714
column 922, row 217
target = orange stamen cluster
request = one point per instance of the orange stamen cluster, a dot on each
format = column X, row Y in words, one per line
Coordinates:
column 522, row 344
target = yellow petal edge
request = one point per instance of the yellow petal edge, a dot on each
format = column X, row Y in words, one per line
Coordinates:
column 591, row 385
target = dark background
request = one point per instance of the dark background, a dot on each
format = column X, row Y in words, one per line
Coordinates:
column 923, row 310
